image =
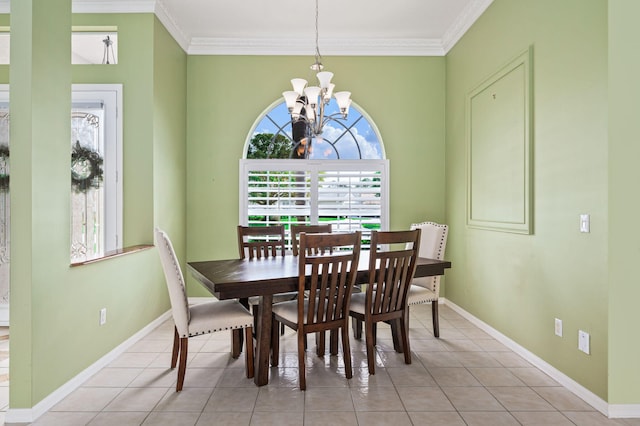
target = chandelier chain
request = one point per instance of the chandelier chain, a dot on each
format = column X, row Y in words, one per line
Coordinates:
column 318, row 55
column 306, row 104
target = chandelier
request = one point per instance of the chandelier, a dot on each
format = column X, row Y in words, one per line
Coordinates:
column 108, row 51
column 306, row 104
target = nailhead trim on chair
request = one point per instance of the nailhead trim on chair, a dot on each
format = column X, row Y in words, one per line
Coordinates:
column 444, row 234
column 219, row 329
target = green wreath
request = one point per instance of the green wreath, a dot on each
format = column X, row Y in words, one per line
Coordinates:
column 4, row 168
column 86, row 168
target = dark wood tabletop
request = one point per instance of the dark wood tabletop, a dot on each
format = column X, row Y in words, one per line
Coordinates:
column 239, row 278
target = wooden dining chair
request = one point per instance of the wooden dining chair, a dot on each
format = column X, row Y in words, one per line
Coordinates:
column 257, row 242
column 201, row 318
column 307, row 229
column 392, row 264
column 295, row 231
column 329, row 276
column 433, row 242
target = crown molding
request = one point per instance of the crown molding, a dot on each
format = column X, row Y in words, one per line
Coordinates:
column 171, row 26
column 330, row 47
column 275, row 46
column 465, row 20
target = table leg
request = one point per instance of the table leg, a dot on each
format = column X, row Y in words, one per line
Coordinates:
column 263, row 341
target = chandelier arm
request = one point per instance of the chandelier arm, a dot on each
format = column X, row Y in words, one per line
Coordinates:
column 320, row 120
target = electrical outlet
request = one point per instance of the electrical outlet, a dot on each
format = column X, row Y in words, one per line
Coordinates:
column 558, row 327
column 103, row 316
column 583, row 341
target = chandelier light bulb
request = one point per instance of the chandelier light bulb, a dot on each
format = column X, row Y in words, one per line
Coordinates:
column 298, row 85
column 312, row 93
column 290, row 97
column 324, row 78
column 328, row 93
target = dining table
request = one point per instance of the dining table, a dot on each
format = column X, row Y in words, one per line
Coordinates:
column 264, row 277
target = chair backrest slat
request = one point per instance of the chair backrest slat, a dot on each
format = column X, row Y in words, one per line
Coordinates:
column 332, row 260
column 391, row 270
column 256, row 242
column 307, row 229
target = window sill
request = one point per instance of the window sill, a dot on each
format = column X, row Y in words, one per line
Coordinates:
column 115, row 253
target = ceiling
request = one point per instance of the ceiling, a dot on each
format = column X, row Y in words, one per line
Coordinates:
column 287, row 27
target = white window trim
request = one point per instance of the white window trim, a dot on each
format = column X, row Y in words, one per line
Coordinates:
column 112, row 93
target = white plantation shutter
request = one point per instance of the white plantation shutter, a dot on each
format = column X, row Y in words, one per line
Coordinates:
column 351, row 195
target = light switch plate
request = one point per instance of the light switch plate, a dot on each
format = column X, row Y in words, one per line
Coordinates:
column 558, row 327
column 585, row 224
column 583, row 341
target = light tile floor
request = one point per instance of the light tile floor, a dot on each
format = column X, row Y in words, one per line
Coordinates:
column 464, row 378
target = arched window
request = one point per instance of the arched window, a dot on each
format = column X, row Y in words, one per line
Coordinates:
column 354, row 138
column 347, row 188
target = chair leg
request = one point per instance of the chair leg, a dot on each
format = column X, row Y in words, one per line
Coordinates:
column 356, row 324
column 374, row 333
column 301, row 353
column 182, row 366
column 434, row 314
column 275, row 342
column 320, row 343
column 236, row 342
column 369, row 333
column 346, row 350
column 176, row 348
column 333, row 342
column 404, row 332
column 397, row 344
column 248, row 353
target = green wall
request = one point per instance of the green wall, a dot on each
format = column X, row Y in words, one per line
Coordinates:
column 516, row 283
column 226, row 94
column 169, row 138
column 584, row 140
column 55, row 308
column 624, row 202
column 37, row 153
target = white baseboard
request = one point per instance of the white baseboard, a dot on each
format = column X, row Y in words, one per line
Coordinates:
column 624, row 411
column 609, row 410
column 28, row 415
column 4, row 315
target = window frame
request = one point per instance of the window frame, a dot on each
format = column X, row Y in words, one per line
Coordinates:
column 111, row 95
column 288, row 132
column 314, row 167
